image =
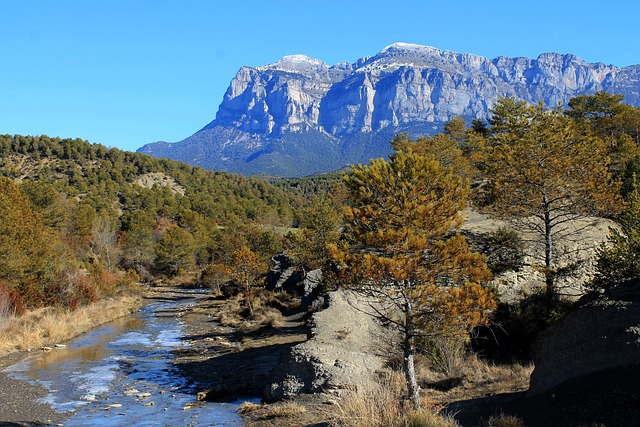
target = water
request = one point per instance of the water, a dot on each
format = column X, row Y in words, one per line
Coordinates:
column 122, row 374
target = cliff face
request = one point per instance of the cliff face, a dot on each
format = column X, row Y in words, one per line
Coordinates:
column 301, row 107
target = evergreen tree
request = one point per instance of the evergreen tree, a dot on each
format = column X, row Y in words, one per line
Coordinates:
column 546, row 173
column 404, row 256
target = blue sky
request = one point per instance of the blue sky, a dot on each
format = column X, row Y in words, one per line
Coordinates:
column 126, row 73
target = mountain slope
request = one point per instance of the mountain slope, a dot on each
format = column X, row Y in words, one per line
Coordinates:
column 300, row 116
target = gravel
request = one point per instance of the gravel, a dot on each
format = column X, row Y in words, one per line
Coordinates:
column 20, row 406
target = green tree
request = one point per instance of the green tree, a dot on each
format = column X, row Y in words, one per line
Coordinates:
column 440, row 147
column 137, row 248
column 404, row 256
column 174, row 251
column 547, row 172
column 319, row 227
column 614, row 122
column 25, row 245
column 456, row 128
column 619, row 259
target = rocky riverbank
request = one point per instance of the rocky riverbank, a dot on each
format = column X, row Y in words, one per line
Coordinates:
column 308, row 359
column 20, row 399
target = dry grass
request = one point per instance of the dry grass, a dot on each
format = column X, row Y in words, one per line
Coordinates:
column 279, row 410
column 504, row 420
column 249, row 407
column 475, row 378
column 381, row 405
column 47, row 326
column 426, row 418
column 288, row 409
column 375, row 405
column 233, row 313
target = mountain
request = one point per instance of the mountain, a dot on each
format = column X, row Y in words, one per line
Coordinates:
column 300, row 116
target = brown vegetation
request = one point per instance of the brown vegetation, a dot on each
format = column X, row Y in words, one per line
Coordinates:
column 50, row 325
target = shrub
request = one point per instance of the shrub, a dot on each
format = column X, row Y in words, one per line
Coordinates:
column 11, row 303
column 504, row 249
column 288, row 409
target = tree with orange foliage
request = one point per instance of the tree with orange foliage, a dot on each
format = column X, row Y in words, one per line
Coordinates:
column 405, row 258
column 246, row 269
column 441, row 147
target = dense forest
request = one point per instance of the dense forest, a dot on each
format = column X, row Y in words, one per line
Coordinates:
column 81, row 219
column 105, row 212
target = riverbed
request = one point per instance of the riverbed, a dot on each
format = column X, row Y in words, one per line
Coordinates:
column 124, row 374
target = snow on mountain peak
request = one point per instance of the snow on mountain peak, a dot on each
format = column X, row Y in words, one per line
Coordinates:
column 409, row 48
column 295, row 63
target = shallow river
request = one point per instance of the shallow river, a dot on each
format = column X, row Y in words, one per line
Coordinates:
column 122, row 374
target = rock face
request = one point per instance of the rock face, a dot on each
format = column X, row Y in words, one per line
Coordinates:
column 344, row 350
column 578, row 249
column 602, row 334
column 300, row 116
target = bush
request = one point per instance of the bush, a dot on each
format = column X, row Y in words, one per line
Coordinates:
column 446, row 353
column 504, row 249
column 11, row 303
column 618, row 261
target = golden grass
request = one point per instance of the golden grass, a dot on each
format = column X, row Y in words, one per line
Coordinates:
column 48, row 326
column 426, row 418
column 288, row 409
column 278, row 410
column 381, row 405
column 232, row 312
column 248, row 407
column 504, row 420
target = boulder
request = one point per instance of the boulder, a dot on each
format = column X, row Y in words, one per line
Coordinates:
column 601, row 334
column 345, row 349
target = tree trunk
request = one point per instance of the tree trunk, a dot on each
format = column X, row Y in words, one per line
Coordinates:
column 409, row 367
column 247, row 295
column 550, row 291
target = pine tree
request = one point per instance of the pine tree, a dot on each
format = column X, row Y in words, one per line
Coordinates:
column 404, row 256
column 546, row 173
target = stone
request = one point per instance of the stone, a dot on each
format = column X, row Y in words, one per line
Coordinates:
column 326, row 362
column 601, row 334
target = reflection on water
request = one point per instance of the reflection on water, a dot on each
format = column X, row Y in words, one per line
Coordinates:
column 122, row 374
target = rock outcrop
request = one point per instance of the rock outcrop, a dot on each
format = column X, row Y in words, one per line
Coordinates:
column 579, row 249
column 300, row 116
column 345, row 349
column 601, row 334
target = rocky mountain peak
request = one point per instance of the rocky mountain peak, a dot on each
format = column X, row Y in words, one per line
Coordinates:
column 274, row 115
column 296, row 64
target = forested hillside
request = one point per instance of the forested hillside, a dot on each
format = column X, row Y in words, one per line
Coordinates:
column 76, row 216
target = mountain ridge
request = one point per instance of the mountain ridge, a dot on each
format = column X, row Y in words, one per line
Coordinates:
column 345, row 113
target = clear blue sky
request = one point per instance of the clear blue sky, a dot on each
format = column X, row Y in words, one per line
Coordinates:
column 124, row 73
